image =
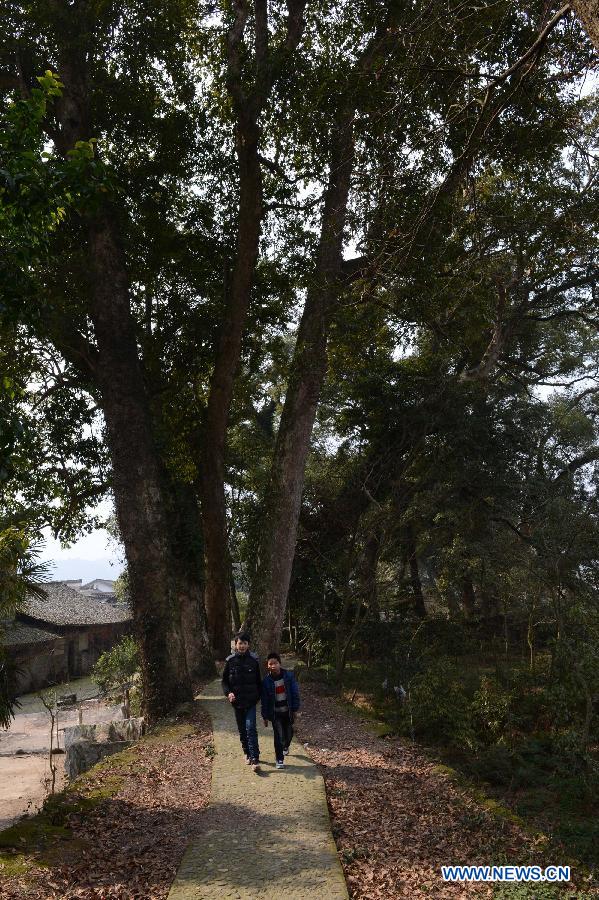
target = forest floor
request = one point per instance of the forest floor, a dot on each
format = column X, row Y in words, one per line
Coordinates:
column 397, row 816
column 120, row 831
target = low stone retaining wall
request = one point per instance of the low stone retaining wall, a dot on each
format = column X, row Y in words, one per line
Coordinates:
column 86, row 745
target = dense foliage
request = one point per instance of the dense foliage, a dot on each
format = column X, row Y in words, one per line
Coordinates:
column 242, row 232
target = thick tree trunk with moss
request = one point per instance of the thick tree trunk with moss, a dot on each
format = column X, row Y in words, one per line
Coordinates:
column 270, row 585
column 157, row 600
column 136, row 479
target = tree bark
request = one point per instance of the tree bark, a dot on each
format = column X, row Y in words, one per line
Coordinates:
column 248, row 104
column 468, row 598
column 270, row 585
column 235, row 611
column 185, row 532
column 370, row 591
column 419, row 604
column 588, row 13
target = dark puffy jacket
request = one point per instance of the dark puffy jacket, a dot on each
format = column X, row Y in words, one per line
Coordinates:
column 241, row 676
column 268, row 695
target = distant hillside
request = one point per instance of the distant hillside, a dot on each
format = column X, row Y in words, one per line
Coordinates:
column 86, row 569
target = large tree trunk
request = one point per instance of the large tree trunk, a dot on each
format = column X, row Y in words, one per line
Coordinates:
column 185, row 532
column 276, row 548
column 588, row 13
column 139, row 500
column 268, row 594
column 248, row 101
column 212, row 475
column 136, row 478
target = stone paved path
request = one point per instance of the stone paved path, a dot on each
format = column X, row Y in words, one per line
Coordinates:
column 267, row 836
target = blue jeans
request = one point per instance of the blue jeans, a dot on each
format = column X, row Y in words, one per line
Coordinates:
column 248, row 734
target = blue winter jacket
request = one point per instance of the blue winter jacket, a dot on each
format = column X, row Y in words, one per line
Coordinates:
column 268, row 695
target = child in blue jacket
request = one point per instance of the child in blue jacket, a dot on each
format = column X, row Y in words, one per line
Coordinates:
column 280, row 703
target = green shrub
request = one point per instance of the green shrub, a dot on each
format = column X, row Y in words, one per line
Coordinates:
column 117, row 666
column 438, row 707
column 491, row 707
column 496, row 765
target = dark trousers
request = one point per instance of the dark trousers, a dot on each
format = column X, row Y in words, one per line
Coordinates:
column 282, row 727
column 248, row 734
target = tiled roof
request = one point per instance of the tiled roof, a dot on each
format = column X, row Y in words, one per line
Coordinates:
column 102, row 596
column 64, row 606
column 15, row 633
column 90, row 584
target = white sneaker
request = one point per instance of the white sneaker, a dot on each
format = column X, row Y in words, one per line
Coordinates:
column 286, row 751
column 280, row 764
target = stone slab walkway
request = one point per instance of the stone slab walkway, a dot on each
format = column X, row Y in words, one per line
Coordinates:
column 267, row 836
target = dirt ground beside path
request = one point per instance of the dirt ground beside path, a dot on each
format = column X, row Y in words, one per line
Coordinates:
column 23, row 785
column 395, row 820
column 24, row 748
column 132, row 819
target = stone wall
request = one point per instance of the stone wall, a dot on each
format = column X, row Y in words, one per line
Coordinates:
column 85, row 745
column 40, row 665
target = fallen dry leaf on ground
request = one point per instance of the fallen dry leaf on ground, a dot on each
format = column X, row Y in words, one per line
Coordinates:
column 395, row 820
column 133, row 842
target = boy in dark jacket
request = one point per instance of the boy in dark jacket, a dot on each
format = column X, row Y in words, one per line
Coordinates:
column 241, row 687
column 280, row 702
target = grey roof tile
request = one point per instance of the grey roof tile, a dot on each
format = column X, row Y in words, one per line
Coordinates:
column 65, row 606
column 15, row 633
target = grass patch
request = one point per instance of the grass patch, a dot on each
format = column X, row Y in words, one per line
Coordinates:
column 170, row 733
column 41, row 840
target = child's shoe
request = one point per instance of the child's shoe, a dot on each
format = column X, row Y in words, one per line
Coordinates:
column 286, row 751
column 280, row 764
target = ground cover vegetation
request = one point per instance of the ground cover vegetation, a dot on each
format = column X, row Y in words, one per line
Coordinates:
column 311, row 291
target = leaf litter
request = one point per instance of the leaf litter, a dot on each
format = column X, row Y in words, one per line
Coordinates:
column 396, row 820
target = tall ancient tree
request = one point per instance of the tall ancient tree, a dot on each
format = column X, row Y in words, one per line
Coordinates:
column 76, row 42
column 259, row 51
column 497, row 90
